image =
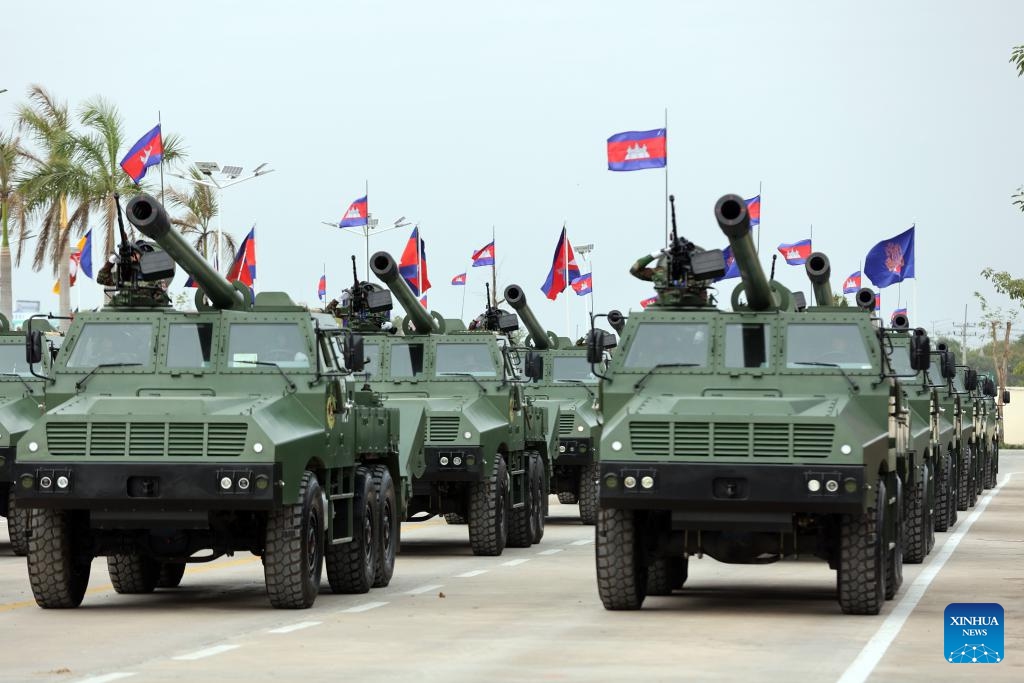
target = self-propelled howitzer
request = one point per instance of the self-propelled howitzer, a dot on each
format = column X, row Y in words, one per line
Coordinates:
column 384, row 266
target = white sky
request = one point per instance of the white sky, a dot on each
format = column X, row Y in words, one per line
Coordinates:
column 859, row 118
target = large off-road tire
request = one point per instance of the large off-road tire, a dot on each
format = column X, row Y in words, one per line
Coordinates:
column 133, row 573
column 666, row 574
column 17, row 526
column 488, row 511
column 454, row 518
column 567, row 498
column 929, row 505
column 293, row 554
column 973, row 476
column 621, row 573
column 917, row 521
column 990, row 470
column 862, row 559
column 522, row 521
column 588, row 493
column 388, row 523
column 59, row 560
column 943, row 497
column 963, row 480
column 352, row 566
column 171, row 574
column 894, row 558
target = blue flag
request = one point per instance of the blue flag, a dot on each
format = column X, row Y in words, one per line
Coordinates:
column 891, row 261
column 732, row 269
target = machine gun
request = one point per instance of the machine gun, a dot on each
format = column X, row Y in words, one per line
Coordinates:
column 496, row 320
column 367, row 303
column 140, row 267
column 688, row 270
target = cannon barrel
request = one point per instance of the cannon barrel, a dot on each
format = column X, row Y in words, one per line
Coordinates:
column 516, row 298
column 150, row 218
column 865, row 298
column 733, row 219
column 818, row 270
column 383, row 266
column 616, row 320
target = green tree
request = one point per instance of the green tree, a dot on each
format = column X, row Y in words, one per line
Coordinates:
column 200, row 207
column 12, row 208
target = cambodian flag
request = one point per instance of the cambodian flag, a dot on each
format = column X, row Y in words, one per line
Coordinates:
column 639, row 149
column 423, row 301
column 732, row 269
column 878, row 301
column 484, row 256
column 459, row 280
column 413, row 265
column 85, row 254
column 892, row 260
column 563, row 268
column 321, row 287
column 647, row 302
column 243, row 268
column 583, row 285
column 148, row 151
column 852, row 283
column 754, row 210
column 898, row 311
column 795, row 253
column 356, row 214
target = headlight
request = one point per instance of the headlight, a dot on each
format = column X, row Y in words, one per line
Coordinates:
column 616, row 445
column 813, row 485
column 629, row 482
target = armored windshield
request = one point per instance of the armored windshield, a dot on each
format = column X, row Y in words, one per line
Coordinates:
column 12, row 360
column 474, row 359
column 899, row 359
column 747, row 345
column 668, row 344
column 406, row 360
column 839, row 344
column 106, row 343
column 190, row 345
column 280, row 343
column 371, row 354
column 572, row 368
column 958, row 381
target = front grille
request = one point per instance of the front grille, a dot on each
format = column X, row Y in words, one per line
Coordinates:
column 146, row 439
column 566, row 421
column 731, row 439
column 443, row 428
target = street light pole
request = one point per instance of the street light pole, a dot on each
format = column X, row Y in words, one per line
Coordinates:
column 371, row 224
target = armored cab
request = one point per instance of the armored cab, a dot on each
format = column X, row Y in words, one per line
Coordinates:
column 22, row 402
column 180, row 437
column 991, row 425
column 560, row 382
column 472, row 446
column 751, row 436
column 955, row 400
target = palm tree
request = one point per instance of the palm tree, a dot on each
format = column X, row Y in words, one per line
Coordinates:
column 12, row 206
column 201, row 206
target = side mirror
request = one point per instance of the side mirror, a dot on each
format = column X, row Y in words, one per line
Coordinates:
column 920, row 350
column 970, row 379
column 948, row 365
column 595, row 353
column 989, row 388
column 1006, row 396
column 33, row 346
column 354, row 358
column 534, row 366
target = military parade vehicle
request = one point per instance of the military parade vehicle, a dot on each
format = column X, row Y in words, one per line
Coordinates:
column 180, row 437
column 471, row 445
column 955, row 402
column 562, row 384
column 22, row 402
column 991, row 426
column 750, row 436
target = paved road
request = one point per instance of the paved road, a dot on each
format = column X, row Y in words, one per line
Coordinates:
column 531, row 614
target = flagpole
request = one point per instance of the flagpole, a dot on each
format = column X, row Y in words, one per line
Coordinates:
column 366, row 227
column 565, row 278
column 159, row 122
column 666, row 176
column 419, row 264
column 494, row 271
column 760, row 201
column 914, row 225
column 465, row 285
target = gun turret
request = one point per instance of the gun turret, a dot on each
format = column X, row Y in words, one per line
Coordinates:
column 539, row 337
column 818, row 270
column 733, row 219
column 383, row 266
column 150, row 218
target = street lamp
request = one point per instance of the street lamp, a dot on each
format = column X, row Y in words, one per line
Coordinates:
column 371, row 224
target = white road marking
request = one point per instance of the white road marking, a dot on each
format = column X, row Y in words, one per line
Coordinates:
column 295, row 627
column 106, row 678
column 424, row 589
column 865, row 662
column 550, row 551
column 515, row 563
column 469, row 575
column 206, row 652
column 365, row 607
column 583, row 541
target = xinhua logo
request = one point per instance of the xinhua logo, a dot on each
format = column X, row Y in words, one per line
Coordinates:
column 974, row 633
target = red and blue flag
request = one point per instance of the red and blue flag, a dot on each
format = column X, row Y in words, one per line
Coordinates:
column 563, row 268
column 732, row 269
column 243, row 268
column 423, row 301
column 795, row 253
column 647, row 302
column 413, row 265
column 754, row 210
column 148, row 151
column 356, row 214
column 459, row 280
column 892, row 260
column 898, row 311
column 321, row 287
column 638, row 149
column 484, row 256
column 852, row 283
column 583, row 285
column 878, row 301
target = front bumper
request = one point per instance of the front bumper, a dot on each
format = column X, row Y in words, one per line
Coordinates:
column 575, row 452
column 734, row 487
column 452, row 463
column 148, row 487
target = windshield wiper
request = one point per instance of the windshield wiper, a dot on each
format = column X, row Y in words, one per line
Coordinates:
column 291, row 384
column 580, row 382
column 23, row 381
column 81, row 383
column 643, row 379
column 820, row 364
column 464, row 374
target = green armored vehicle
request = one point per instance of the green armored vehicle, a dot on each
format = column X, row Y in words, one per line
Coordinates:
column 22, row 402
column 991, row 427
column 562, row 384
column 751, row 436
column 956, row 403
column 180, row 437
column 471, row 445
